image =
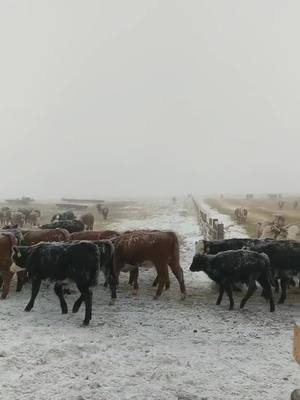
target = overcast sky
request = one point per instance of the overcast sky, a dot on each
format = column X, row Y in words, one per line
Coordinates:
column 138, row 97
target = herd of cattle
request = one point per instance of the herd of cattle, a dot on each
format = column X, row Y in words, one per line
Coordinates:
column 68, row 249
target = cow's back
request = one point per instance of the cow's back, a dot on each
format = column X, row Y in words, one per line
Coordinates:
column 45, row 235
column 140, row 246
column 93, row 235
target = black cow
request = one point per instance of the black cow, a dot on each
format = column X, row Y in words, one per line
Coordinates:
column 106, row 250
column 215, row 246
column 79, row 262
column 233, row 266
column 284, row 258
column 66, row 215
column 69, row 225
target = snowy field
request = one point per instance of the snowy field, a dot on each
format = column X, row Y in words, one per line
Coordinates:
column 143, row 349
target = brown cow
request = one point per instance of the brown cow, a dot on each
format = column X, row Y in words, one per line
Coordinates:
column 45, row 235
column 160, row 248
column 93, row 235
column 7, row 241
column 88, row 221
column 134, row 274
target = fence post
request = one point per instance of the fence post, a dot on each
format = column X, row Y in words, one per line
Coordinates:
column 220, row 231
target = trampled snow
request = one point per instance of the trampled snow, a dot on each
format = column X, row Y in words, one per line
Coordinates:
column 145, row 349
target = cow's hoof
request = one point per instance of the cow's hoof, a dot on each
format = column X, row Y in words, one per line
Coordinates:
column 135, row 292
column 112, row 302
column 27, row 309
column 64, row 312
column 183, row 296
column 155, row 297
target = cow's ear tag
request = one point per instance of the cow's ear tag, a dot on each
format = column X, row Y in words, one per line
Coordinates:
column 19, row 254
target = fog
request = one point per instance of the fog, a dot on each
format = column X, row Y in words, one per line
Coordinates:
column 157, row 97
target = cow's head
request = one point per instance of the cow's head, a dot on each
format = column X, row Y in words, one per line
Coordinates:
column 199, row 263
column 20, row 256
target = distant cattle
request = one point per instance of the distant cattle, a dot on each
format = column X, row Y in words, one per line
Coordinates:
column 33, row 217
column 67, row 215
column 105, row 212
column 79, row 262
column 17, row 218
column 241, row 215
column 159, row 248
column 71, row 226
column 25, row 212
column 281, row 204
column 88, row 221
column 233, row 266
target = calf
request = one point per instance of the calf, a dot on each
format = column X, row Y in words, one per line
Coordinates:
column 88, row 221
column 160, row 248
column 233, row 266
column 79, row 262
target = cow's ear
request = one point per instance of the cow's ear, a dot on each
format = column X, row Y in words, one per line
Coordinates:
column 16, row 251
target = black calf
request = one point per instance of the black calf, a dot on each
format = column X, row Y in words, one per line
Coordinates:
column 232, row 266
column 79, row 262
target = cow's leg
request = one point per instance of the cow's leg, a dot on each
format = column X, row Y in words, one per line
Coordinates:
column 131, row 278
column 113, row 287
column 220, row 297
column 283, row 284
column 276, row 285
column 87, row 297
column 21, row 279
column 178, row 272
column 135, row 281
column 228, row 290
column 7, row 277
column 1, row 280
column 162, row 278
column 58, row 289
column 251, row 289
column 88, row 307
column 155, row 282
column 111, row 280
column 267, row 292
column 77, row 304
column 36, row 284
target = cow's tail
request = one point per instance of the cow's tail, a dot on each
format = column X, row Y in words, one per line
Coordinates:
column 267, row 275
column 175, row 257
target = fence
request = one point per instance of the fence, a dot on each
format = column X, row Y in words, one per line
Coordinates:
column 211, row 228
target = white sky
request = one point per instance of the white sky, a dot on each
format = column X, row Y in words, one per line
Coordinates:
column 136, row 97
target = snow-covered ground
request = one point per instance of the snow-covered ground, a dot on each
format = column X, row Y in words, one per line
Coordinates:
column 145, row 349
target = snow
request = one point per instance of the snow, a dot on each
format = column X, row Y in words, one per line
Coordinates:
column 145, row 349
